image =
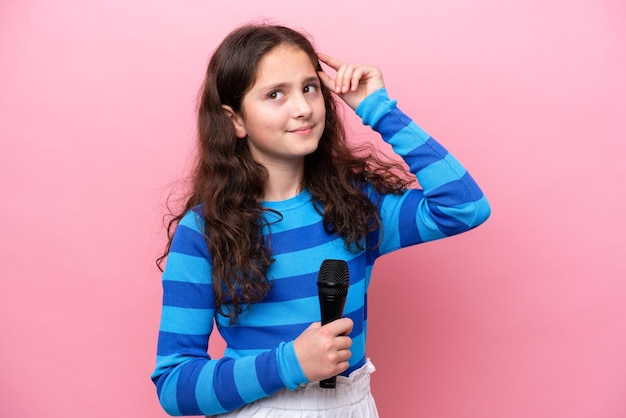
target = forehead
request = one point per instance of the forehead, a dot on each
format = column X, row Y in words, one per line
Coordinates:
column 283, row 64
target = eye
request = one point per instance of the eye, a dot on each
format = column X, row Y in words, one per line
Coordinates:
column 276, row 95
column 311, row 88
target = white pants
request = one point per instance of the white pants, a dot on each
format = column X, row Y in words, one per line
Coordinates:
column 352, row 398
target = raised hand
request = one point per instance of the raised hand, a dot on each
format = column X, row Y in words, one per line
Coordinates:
column 353, row 82
column 324, row 351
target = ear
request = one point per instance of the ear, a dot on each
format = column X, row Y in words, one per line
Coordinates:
column 237, row 120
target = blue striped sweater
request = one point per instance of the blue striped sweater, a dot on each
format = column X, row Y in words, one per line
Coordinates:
column 260, row 358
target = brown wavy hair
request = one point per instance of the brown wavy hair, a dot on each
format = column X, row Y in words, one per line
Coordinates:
column 227, row 184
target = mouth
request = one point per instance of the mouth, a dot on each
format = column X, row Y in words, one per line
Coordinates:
column 302, row 130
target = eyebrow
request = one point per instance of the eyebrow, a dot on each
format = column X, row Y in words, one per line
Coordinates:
column 278, row 86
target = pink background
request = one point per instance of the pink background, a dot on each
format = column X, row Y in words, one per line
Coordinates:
column 523, row 317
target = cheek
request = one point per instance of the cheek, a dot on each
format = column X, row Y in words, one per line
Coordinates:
column 265, row 118
column 321, row 109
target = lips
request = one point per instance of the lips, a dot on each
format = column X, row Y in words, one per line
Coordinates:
column 303, row 130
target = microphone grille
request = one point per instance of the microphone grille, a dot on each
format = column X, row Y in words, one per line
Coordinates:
column 334, row 274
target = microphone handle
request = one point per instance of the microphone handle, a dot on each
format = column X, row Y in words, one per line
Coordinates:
column 330, row 383
column 332, row 309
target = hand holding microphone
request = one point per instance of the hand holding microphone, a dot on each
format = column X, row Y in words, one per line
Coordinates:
column 323, row 349
column 332, row 286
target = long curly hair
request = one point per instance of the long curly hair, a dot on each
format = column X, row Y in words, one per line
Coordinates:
column 227, row 184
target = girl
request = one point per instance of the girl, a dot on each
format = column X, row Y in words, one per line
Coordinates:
column 276, row 191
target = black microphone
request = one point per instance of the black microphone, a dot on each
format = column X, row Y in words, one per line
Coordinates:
column 332, row 286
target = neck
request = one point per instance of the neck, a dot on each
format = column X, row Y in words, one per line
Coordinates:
column 284, row 182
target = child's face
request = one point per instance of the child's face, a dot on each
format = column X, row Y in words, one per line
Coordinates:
column 283, row 113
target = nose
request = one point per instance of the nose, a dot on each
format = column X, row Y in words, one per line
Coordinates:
column 301, row 106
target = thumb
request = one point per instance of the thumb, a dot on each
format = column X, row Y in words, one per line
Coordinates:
column 341, row 326
column 314, row 325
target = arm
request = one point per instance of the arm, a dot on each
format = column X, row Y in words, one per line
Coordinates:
column 449, row 203
column 188, row 381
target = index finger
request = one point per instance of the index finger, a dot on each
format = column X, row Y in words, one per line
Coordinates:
column 333, row 63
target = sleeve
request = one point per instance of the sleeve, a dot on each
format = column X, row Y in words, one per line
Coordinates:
column 187, row 380
column 449, row 202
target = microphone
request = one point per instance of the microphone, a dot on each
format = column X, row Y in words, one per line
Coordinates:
column 332, row 286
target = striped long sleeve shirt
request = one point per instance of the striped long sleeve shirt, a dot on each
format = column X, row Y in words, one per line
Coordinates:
column 260, row 358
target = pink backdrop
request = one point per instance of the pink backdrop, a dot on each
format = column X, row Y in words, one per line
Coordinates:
column 523, row 317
